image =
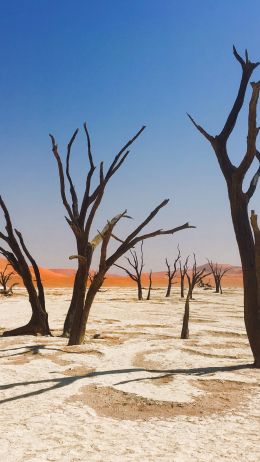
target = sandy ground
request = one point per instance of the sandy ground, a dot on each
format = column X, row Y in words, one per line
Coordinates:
column 135, row 393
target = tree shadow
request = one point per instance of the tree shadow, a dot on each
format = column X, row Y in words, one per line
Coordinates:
column 65, row 381
column 35, row 349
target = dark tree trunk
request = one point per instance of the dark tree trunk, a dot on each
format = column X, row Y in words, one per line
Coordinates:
column 78, row 297
column 150, row 286
column 80, row 286
column 169, row 287
column 140, row 291
column 186, row 317
column 80, row 319
column 182, row 286
column 241, row 223
column 217, row 283
column 38, row 323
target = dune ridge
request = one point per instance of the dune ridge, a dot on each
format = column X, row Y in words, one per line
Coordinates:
column 64, row 277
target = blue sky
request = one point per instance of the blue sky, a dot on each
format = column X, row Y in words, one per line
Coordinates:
column 119, row 65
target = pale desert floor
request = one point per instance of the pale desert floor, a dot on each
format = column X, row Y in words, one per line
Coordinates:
column 135, row 393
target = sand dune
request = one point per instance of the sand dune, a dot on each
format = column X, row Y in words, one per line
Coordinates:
column 64, row 277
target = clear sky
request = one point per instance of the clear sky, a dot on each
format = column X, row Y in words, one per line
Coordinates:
column 119, row 64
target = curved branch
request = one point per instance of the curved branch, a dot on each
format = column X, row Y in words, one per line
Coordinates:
column 247, row 70
column 61, row 176
column 35, row 269
column 72, row 187
column 253, row 184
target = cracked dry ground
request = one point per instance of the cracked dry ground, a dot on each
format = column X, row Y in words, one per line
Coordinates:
column 137, row 392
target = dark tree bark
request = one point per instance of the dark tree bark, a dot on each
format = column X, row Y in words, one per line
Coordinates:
column 239, row 200
column 183, row 271
column 137, row 266
column 150, row 286
column 80, row 219
column 186, row 318
column 171, row 273
column 195, row 277
column 218, row 272
column 38, row 323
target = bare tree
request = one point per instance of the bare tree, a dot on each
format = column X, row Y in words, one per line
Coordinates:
column 195, row 277
column 218, row 272
column 80, row 219
column 171, row 273
column 16, row 256
column 239, row 200
column 183, row 271
column 205, row 285
column 150, row 286
column 137, row 266
column 5, row 278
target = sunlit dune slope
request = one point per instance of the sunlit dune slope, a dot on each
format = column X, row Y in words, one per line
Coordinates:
column 64, row 277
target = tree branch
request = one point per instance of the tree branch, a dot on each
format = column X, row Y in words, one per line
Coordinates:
column 247, row 70
column 61, row 176
column 72, row 188
column 253, row 184
column 210, row 138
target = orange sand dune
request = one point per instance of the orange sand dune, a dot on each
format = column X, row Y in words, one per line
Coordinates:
column 64, row 277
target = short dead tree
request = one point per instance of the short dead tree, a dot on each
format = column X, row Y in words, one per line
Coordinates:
column 205, row 285
column 183, row 270
column 171, row 272
column 16, row 256
column 80, row 219
column 194, row 278
column 137, row 265
column 217, row 272
column 5, row 277
column 150, row 286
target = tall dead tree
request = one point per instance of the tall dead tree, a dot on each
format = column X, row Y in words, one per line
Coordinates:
column 137, row 266
column 183, row 271
column 171, row 273
column 239, row 199
column 150, row 286
column 217, row 272
column 195, row 277
column 80, row 216
column 16, row 256
column 80, row 219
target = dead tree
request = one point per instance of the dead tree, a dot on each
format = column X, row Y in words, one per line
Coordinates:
column 239, row 199
column 4, row 279
column 150, row 286
column 218, row 272
column 16, row 256
column 80, row 216
column 10, row 292
column 195, row 277
column 80, row 219
column 171, row 273
column 183, row 271
column 137, row 266
column 205, row 285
